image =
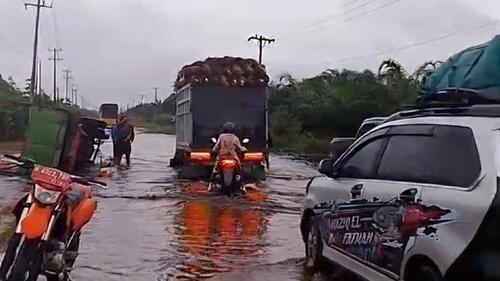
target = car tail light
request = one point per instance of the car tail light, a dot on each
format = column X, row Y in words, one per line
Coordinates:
column 228, row 164
column 200, row 156
column 253, row 157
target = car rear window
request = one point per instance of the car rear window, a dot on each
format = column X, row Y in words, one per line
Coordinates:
column 447, row 157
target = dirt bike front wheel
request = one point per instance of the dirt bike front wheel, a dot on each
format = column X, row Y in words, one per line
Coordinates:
column 27, row 264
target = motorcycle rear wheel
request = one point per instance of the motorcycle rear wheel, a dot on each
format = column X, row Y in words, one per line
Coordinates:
column 26, row 266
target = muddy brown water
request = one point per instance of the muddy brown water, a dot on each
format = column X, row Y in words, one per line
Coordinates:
column 152, row 226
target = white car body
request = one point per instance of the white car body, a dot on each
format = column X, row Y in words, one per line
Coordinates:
column 353, row 212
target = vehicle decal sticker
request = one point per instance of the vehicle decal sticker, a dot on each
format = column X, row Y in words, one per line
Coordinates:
column 379, row 233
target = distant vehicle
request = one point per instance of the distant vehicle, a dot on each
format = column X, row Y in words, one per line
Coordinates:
column 63, row 139
column 108, row 112
column 339, row 145
column 417, row 198
column 201, row 112
column 203, row 107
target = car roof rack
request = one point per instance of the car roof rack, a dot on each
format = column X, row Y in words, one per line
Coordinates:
column 453, row 97
column 451, row 102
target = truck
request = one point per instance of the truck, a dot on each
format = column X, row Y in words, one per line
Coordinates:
column 202, row 109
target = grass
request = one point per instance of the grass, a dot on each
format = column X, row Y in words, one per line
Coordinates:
column 155, row 128
column 153, row 125
column 7, row 225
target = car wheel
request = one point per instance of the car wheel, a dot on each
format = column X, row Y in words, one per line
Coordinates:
column 314, row 249
column 425, row 272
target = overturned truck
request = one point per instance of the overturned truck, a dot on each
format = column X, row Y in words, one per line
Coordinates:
column 204, row 104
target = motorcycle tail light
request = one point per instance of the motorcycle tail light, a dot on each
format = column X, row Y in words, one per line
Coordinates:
column 228, row 164
column 200, row 156
column 46, row 196
column 253, row 157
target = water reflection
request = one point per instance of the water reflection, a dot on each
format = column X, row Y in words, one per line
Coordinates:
column 218, row 234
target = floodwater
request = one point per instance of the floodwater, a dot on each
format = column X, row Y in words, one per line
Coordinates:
column 152, row 226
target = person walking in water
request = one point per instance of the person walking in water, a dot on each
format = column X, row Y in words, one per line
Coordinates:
column 122, row 142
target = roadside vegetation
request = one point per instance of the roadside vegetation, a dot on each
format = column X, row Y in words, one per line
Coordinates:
column 13, row 111
column 306, row 114
column 152, row 118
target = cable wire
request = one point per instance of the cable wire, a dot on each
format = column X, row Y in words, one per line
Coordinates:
column 416, row 44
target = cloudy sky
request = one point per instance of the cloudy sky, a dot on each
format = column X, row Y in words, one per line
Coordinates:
column 120, row 49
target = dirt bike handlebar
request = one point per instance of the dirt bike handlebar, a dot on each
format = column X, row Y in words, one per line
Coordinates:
column 86, row 181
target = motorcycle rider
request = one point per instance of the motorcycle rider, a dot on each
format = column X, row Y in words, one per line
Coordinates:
column 228, row 143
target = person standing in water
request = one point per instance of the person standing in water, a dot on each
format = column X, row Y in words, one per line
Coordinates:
column 122, row 143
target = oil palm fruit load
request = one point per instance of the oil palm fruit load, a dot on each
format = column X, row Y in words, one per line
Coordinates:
column 226, row 71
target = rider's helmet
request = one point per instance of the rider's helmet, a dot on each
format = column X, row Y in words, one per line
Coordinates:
column 228, row 128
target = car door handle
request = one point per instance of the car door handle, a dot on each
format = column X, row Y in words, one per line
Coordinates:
column 356, row 191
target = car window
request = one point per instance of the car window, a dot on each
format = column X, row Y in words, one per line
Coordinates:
column 360, row 164
column 448, row 157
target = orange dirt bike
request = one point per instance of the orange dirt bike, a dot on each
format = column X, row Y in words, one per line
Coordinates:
column 49, row 220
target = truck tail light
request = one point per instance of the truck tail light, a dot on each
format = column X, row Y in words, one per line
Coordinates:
column 200, row 156
column 253, row 157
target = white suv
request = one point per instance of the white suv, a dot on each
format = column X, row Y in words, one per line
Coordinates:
column 414, row 199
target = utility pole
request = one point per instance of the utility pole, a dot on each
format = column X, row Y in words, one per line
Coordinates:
column 156, row 95
column 262, row 43
column 55, row 58
column 67, row 77
column 38, row 82
column 75, row 94
column 39, row 4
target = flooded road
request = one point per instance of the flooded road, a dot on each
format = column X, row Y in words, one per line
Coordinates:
column 151, row 226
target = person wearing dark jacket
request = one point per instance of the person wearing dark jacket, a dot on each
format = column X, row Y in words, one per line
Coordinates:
column 124, row 135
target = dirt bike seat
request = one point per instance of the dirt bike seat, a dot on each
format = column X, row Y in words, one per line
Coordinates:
column 77, row 194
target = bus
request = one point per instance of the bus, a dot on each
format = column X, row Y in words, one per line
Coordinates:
column 108, row 112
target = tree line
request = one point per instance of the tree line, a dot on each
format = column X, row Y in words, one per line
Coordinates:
column 306, row 114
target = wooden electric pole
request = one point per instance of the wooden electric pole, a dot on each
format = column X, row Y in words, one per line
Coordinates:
column 156, row 95
column 262, row 43
column 39, row 4
column 67, row 77
column 55, row 58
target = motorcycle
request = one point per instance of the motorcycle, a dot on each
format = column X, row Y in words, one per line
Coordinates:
column 227, row 174
column 49, row 220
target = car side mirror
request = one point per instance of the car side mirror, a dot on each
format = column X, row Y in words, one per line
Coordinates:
column 326, row 167
column 246, row 140
column 213, row 140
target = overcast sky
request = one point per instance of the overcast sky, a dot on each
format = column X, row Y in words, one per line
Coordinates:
column 120, row 49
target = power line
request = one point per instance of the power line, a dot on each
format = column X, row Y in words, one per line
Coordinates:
column 321, row 21
column 55, row 58
column 262, row 43
column 67, row 76
column 156, row 95
column 38, row 6
column 349, row 3
column 322, row 24
column 416, row 44
column 372, row 10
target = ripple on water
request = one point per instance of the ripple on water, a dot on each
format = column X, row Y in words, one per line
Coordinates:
column 151, row 226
